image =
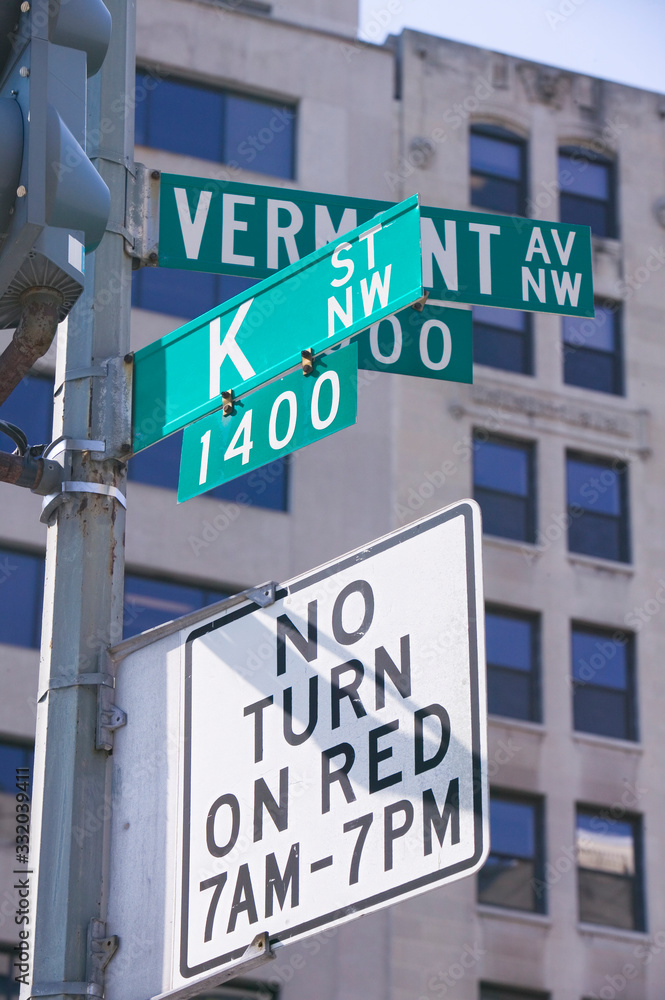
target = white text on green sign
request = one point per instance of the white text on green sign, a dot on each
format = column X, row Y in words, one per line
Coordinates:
column 337, row 291
column 273, row 421
column 434, row 342
column 494, row 260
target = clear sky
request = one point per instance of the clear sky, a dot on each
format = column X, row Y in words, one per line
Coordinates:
column 620, row 40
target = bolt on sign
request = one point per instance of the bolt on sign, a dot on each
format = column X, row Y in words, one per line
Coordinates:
column 291, row 766
column 314, row 303
column 269, row 423
column 473, row 257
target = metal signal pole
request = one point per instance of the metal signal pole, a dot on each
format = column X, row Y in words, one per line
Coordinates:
column 69, row 942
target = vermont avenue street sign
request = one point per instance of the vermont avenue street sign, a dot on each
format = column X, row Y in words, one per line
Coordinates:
column 338, row 290
column 493, row 260
column 300, row 758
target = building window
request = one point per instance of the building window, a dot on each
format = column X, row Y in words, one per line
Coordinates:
column 503, row 477
column 609, row 869
column 592, row 351
column 9, row 988
column 512, row 874
column 30, row 407
column 183, row 294
column 598, row 507
column 12, row 756
column 181, row 116
column 21, row 593
column 491, row 991
column 267, row 487
column 502, row 338
column 512, row 664
column 603, row 682
column 243, row 989
column 498, row 170
column 150, row 602
column 586, row 190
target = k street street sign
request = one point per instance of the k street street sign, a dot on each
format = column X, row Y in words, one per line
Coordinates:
column 299, row 757
column 336, row 291
column 270, row 422
column 505, row 261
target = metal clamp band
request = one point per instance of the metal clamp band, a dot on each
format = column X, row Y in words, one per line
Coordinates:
column 101, row 488
column 72, row 444
column 91, row 371
column 66, row 989
column 53, row 500
column 58, row 683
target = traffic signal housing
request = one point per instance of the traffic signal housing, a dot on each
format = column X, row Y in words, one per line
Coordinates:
column 54, row 206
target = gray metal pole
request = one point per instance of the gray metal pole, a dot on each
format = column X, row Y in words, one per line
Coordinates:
column 70, row 944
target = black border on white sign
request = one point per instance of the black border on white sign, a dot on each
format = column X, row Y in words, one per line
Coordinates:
column 462, row 509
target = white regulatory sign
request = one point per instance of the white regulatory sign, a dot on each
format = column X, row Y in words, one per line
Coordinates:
column 288, row 767
column 334, row 744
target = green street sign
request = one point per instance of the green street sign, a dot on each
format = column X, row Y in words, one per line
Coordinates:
column 436, row 342
column 315, row 303
column 273, row 421
column 494, row 260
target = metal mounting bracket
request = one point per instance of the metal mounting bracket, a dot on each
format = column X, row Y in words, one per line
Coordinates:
column 101, row 949
column 255, row 954
column 109, row 716
column 307, row 361
column 264, row 595
column 419, row 304
column 228, row 399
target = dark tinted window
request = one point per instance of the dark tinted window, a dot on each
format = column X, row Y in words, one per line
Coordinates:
column 13, row 756
column 586, row 191
column 512, row 664
column 9, row 988
column 592, row 351
column 503, row 486
column 266, row 487
column 30, row 407
column 183, row 294
column 185, row 117
column 498, row 173
column 512, row 874
column 609, row 869
column 597, row 507
column 603, row 683
column 502, row 338
column 150, row 602
column 21, row 590
column 243, row 989
column 489, row 991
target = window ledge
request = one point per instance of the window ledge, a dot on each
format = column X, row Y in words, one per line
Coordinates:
column 608, row 742
column 501, row 374
column 605, row 565
column 616, row 933
column 606, row 244
column 523, row 725
column 526, row 549
column 519, row 916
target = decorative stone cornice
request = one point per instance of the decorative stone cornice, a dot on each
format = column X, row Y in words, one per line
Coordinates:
column 544, row 84
column 505, row 407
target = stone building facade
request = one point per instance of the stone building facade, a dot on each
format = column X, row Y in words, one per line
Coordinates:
column 559, row 438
